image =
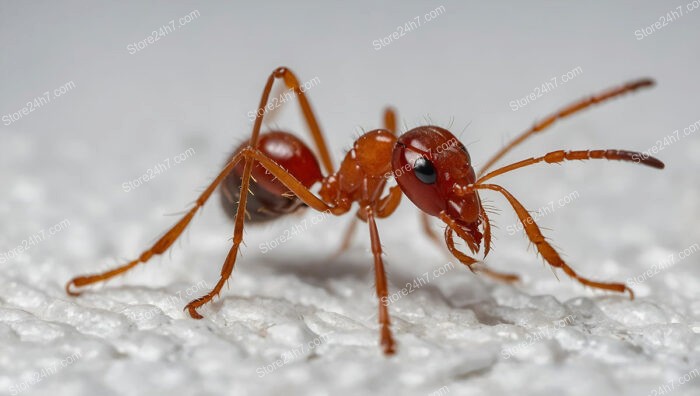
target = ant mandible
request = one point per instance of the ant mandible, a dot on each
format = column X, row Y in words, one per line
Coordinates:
column 430, row 166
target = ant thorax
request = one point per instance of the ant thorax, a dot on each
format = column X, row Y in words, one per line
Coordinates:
column 363, row 172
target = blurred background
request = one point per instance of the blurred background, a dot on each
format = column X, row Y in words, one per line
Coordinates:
column 89, row 105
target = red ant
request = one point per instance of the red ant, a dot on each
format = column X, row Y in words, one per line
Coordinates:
column 431, row 167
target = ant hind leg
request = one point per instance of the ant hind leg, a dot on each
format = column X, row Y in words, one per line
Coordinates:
column 163, row 243
column 295, row 186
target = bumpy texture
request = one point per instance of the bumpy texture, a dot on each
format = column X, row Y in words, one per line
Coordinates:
column 293, row 318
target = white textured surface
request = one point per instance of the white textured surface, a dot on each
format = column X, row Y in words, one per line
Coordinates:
column 69, row 159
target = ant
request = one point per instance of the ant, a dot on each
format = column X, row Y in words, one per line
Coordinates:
column 429, row 164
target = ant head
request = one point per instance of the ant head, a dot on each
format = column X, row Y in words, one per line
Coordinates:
column 432, row 168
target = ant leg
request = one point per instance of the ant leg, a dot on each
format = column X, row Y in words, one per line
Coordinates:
column 163, row 243
column 169, row 238
column 472, row 263
column 499, row 276
column 292, row 82
column 561, row 156
column 390, row 120
column 463, row 258
column 295, row 186
column 428, row 230
column 347, row 237
column 388, row 204
column 545, row 249
column 386, row 340
column 487, row 229
column 565, row 112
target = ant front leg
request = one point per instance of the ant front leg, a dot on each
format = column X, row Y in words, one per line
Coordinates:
column 473, row 264
column 487, row 228
column 385, row 208
column 386, row 339
column 544, row 248
column 463, row 258
column 388, row 204
column 428, row 229
column 501, row 276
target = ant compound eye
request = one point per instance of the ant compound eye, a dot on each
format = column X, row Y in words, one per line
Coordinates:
column 418, row 174
column 424, row 171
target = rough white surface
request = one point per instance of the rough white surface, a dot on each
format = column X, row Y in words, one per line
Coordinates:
column 457, row 333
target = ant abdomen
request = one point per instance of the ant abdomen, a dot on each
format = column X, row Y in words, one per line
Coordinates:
column 269, row 198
